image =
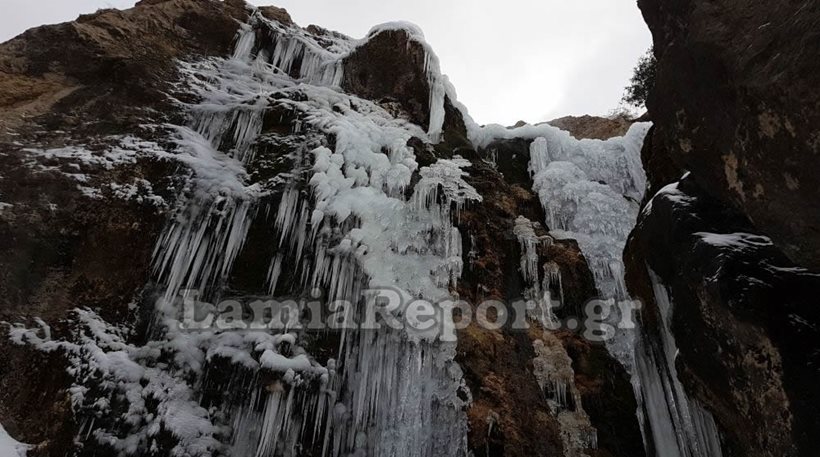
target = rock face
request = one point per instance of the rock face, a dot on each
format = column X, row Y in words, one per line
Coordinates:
column 105, row 74
column 735, row 242
column 736, row 103
column 399, row 77
column 744, row 317
column 111, row 66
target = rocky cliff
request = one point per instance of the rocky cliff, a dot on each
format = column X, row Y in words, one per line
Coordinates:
column 735, row 102
column 735, row 107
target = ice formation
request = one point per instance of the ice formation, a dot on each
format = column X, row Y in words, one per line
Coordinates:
column 675, row 424
column 590, row 191
column 553, row 371
column 348, row 216
column 539, row 281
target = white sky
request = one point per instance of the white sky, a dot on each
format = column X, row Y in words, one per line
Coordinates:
column 509, row 60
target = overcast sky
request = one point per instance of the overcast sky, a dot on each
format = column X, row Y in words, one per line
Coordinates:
column 509, row 60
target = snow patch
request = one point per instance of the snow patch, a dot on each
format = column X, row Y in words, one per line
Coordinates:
column 9, row 447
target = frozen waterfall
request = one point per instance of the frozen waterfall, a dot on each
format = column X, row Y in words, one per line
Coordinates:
column 590, row 191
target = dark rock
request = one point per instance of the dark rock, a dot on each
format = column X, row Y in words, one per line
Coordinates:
column 276, row 14
column 391, row 66
column 745, row 320
column 104, row 74
column 736, row 103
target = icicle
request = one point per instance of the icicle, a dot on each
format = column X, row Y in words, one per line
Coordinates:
column 246, row 37
column 678, row 425
column 539, row 156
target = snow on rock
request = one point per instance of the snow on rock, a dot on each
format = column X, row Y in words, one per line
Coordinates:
column 9, row 447
column 82, row 157
column 734, row 240
column 158, row 392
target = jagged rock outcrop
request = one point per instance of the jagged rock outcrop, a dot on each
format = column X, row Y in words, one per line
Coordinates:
column 736, row 103
column 735, row 242
column 400, row 77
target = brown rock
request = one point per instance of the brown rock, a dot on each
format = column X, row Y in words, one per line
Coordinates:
column 509, row 414
column 104, row 74
column 600, row 128
column 276, row 14
column 110, row 66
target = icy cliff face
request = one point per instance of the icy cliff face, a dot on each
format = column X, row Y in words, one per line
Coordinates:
column 343, row 221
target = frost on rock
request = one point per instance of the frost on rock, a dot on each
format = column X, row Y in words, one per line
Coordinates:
column 91, row 167
column 129, row 396
column 553, row 371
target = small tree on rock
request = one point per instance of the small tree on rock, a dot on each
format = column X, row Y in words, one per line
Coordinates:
column 642, row 82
